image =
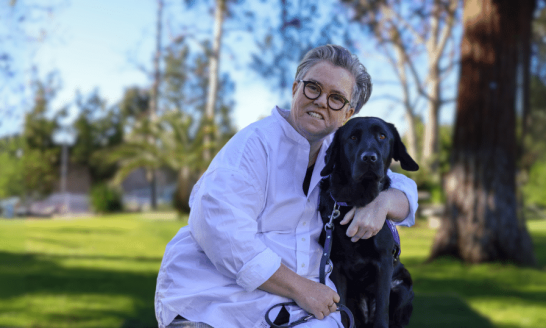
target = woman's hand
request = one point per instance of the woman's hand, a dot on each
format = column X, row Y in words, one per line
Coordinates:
column 313, row 297
column 367, row 221
column 316, row 298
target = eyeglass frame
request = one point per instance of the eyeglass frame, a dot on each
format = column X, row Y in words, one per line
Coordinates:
column 320, row 93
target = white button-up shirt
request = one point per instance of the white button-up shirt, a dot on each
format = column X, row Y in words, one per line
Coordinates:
column 249, row 214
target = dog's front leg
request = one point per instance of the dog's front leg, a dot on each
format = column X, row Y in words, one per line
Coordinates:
column 384, row 277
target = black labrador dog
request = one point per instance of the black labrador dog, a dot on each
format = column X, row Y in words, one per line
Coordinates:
column 368, row 274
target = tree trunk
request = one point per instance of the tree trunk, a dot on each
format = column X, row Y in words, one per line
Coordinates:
column 183, row 190
column 410, row 133
column 213, row 79
column 155, row 96
column 430, row 142
column 480, row 223
column 524, row 62
column 400, row 66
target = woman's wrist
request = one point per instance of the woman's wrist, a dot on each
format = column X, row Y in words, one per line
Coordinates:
column 396, row 203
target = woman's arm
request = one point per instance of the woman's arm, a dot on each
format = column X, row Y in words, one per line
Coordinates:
column 398, row 203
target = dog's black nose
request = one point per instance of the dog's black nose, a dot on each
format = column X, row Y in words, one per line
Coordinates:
column 369, row 157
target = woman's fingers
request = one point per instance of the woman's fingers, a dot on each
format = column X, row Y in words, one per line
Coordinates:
column 348, row 217
column 317, row 299
column 365, row 222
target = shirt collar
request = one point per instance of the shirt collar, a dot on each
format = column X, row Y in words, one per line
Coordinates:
column 288, row 129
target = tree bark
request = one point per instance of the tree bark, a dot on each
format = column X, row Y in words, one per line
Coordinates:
column 430, row 141
column 213, row 79
column 155, row 96
column 480, row 223
column 184, row 186
column 435, row 48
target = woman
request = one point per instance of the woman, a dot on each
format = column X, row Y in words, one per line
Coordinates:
column 252, row 236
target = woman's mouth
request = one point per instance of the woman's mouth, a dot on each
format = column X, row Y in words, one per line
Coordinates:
column 316, row 115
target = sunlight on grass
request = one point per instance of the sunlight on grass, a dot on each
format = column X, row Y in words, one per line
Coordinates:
column 83, row 272
column 101, row 272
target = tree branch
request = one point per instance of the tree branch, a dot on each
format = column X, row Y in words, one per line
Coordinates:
column 390, row 13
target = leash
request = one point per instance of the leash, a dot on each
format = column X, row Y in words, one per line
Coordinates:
column 329, row 227
column 340, row 307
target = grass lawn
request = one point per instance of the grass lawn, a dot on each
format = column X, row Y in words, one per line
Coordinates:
column 101, row 272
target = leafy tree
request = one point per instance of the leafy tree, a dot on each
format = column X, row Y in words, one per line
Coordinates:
column 424, row 179
column 41, row 155
column 481, row 223
column 179, row 128
column 96, row 127
column 11, row 174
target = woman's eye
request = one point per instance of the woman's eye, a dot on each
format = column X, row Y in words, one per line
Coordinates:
column 382, row 136
column 337, row 98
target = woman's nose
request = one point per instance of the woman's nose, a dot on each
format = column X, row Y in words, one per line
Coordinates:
column 322, row 100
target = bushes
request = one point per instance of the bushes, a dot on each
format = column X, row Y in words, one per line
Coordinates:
column 535, row 189
column 105, row 199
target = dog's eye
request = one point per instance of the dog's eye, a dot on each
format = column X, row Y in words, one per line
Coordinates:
column 382, row 136
column 353, row 137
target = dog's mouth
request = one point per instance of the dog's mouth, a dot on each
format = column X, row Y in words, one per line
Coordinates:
column 316, row 115
column 366, row 174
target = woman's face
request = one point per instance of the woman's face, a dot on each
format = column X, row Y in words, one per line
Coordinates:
column 313, row 119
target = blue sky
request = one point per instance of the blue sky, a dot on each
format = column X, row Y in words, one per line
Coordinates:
column 101, row 43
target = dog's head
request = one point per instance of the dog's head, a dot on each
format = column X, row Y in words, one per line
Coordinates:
column 363, row 149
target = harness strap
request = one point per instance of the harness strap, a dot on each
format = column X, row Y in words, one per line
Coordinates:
column 396, row 237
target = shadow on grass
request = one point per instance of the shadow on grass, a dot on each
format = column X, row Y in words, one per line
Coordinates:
column 40, row 275
column 446, row 311
column 442, row 287
column 439, row 301
column 539, row 244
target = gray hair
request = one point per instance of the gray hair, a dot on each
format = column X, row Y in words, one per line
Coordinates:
column 339, row 56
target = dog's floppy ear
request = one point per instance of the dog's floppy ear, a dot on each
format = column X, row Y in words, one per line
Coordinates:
column 332, row 154
column 399, row 152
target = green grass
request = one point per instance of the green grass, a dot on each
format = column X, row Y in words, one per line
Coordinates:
column 93, row 272
column 101, row 272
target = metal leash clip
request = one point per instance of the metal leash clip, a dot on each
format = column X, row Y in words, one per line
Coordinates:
column 335, row 214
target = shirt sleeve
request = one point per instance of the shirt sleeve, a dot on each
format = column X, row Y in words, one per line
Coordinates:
column 225, row 208
column 408, row 187
column 223, row 221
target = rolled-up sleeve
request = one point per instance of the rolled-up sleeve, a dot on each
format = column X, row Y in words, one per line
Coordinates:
column 408, row 187
column 223, row 221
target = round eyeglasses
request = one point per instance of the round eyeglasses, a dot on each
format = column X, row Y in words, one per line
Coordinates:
column 312, row 91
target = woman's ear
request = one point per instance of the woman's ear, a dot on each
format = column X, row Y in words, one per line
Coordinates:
column 294, row 88
column 349, row 114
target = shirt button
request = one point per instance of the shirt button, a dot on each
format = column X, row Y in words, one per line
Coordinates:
column 303, row 265
column 304, row 223
column 303, row 239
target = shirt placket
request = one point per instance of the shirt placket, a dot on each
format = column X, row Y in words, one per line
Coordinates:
column 303, row 242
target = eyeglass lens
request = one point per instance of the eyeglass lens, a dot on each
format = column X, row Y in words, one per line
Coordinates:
column 313, row 91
